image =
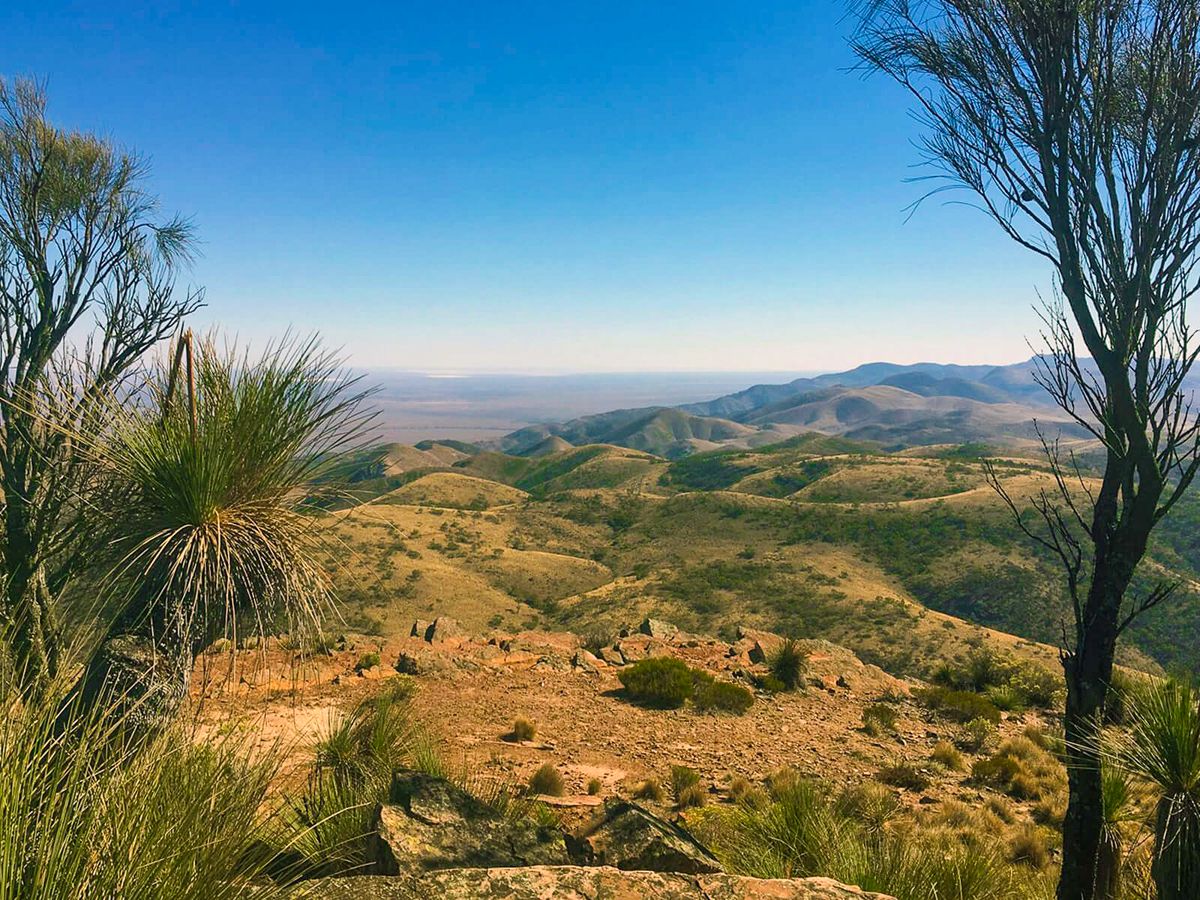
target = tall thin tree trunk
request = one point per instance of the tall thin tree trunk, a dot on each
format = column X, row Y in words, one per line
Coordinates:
column 1088, row 673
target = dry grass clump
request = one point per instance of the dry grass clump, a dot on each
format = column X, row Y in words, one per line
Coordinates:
column 650, row 789
column 868, row 803
column 948, row 755
column 522, row 730
column 879, row 719
column 547, row 780
column 691, row 797
column 594, row 787
column 903, row 774
column 975, row 735
column 1029, row 846
column 1023, row 770
column 789, row 664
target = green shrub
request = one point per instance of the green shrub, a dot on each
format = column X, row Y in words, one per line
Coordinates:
column 594, row 787
column 547, row 780
column 367, row 661
column 959, row 706
column 788, row 664
column 975, row 735
column 721, row 696
column 769, row 683
column 868, row 803
column 879, row 718
column 662, row 682
column 1007, row 698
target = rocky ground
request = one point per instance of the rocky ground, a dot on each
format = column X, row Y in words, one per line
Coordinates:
column 472, row 689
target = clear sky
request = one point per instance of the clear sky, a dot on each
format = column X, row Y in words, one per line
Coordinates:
column 566, row 186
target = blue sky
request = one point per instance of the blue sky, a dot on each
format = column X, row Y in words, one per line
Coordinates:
column 559, row 186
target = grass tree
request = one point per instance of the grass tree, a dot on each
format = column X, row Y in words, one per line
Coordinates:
column 216, row 508
column 1075, row 126
column 1161, row 746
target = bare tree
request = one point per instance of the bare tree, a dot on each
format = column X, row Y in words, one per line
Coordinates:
column 87, row 273
column 1075, row 125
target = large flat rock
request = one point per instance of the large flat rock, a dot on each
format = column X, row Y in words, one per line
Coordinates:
column 576, row 883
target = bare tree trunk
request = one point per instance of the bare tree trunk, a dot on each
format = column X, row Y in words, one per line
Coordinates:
column 1088, row 669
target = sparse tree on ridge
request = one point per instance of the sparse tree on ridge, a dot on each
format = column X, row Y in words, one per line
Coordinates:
column 1076, row 126
column 87, row 286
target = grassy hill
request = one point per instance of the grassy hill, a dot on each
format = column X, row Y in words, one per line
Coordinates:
column 906, row 558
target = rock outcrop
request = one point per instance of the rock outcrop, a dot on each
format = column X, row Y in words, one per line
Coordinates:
column 575, row 883
column 430, row 823
column 626, row 836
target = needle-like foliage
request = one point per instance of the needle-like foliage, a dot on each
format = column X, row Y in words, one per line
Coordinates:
column 1162, row 746
column 217, row 519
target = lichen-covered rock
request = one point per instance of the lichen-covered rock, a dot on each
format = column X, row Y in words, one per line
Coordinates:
column 657, row 628
column 574, row 883
column 444, row 629
column 430, row 823
column 626, row 836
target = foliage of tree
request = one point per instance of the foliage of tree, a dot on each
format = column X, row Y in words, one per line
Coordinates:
column 1076, row 126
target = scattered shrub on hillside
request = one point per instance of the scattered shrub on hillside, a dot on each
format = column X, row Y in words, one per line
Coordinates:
column 903, row 774
column 661, row 681
column 769, row 683
column 721, row 696
column 594, row 786
column 522, row 730
column 801, row 833
column 958, row 706
column 788, row 664
column 547, row 780
column 975, row 735
column 367, row 661
column 742, row 790
column 650, row 789
column 947, row 755
column 1006, row 698
column 879, row 719
column 1023, row 770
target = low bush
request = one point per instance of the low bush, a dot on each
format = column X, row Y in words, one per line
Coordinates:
column 367, row 661
column 975, row 735
column 958, row 706
column 802, row 833
column 1030, row 847
column 868, row 803
column 692, row 797
column 710, row 695
column 522, row 730
column 663, row 682
column 879, row 719
column 905, row 775
column 682, row 778
column 650, row 789
column 948, row 755
column 594, row 787
column 547, row 780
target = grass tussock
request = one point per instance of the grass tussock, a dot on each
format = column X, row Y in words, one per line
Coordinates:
column 801, row 832
column 84, row 816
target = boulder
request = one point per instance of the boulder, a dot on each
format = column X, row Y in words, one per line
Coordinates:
column 765, row 644
column 430, row 823
column 443, row 629
column 626, row 836
column 612, row 656
column 419, row 629
column 657, row 628
column 419, row 662
column 575, row 883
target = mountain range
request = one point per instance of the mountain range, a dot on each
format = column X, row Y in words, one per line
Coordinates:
column 887, row 403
